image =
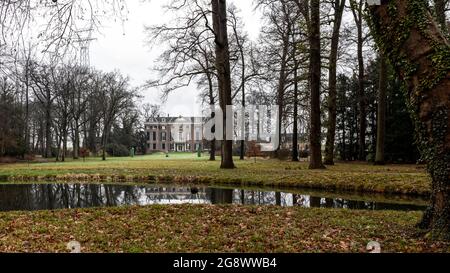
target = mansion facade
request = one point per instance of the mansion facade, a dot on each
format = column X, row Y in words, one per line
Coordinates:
column 174, row 134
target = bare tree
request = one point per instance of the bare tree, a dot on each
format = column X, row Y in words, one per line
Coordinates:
column 219, row 19
column 44, row 93
column 241, row 41
column 150, row 111
column 314, row 85
column 338, row 7
column 62, row 81
column 190, row 54
column 357, row 10
column 116, row 97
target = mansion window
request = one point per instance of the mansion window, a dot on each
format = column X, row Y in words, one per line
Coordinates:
column 180, row 133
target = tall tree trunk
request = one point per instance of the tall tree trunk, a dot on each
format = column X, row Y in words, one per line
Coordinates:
column 219, row 14
column 408, row 35
column 332, row 93
column 104, row 138
column 212, row 152
column 362, row 105
column 76, row 140
column 105, row 135
column 58, row 144
column 242, row 156
column 27, row 107
column 344, row 146
column 242, row 55
column 439, row 8
column 48, row 133
column 281, row 87
column 381, row 115
column 357, row 7
column 295, row 129
column 315, row 73
column 64, row 149
column 92, row 136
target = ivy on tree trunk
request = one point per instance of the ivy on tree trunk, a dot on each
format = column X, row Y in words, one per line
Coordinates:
column 407, row 34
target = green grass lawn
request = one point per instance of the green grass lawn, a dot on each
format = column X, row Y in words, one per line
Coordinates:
column 206, row 228
column 188, row 168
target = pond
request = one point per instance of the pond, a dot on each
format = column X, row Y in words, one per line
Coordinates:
column 28, row 197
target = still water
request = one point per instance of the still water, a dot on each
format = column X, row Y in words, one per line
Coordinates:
column 27, row 197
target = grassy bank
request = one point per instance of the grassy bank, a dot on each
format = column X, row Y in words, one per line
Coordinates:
column 188, row 228
column 187, row 168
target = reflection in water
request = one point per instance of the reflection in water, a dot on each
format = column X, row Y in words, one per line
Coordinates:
column 58, row 196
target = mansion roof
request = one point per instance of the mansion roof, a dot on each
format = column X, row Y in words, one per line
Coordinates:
column 174, row 120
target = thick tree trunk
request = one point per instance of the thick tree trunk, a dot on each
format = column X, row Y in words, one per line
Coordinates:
column 411, row 39
column 381, row 115
column 332, row 93
column 212, row 153
column 315, row 73
column 219, row 14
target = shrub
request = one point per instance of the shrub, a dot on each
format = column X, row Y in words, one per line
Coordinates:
column 114, row 149
column 303, row 153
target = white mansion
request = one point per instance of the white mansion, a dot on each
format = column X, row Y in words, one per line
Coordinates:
column 174, row 134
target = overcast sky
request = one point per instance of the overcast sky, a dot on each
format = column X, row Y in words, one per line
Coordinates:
column 122, row 47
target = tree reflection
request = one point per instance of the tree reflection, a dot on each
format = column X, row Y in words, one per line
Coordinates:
column 58, row 196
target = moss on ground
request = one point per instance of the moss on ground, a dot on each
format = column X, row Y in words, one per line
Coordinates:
column 187, row 168
column 207, row 228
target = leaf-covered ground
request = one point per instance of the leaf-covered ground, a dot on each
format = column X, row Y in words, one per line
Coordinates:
column 208, row 228
column 182, row 168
